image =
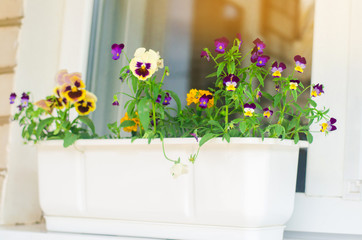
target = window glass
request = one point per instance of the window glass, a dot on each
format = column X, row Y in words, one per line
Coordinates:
column 179, row 30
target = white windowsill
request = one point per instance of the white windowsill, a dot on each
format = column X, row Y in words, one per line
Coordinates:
column 38, row 232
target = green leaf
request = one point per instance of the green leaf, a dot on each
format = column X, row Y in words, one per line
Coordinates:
column 87, row 121
column 127, row 123
column 215, row 123
column 296, row 105
column 311, row 102
column 134, row 84
column 220, row 68
column 177, row 99
column 231, row 67
column 267, row 96
column 69, row 139
column 296, row 138
column 279, row 129
column 206, row 138
column 309, row 137
column 260, row 78
column 211, row 75
column 294, row 93
column 42, row 125
column 292, row 123
column 130, row 108
column 277, row 99
column 242, row 127
column 227, row 137
column 143, row 108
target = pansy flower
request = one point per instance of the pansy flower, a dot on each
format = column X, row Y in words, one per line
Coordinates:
column 238, row 36
column 277, row 70
column 262, row 60
column 254, row 57
column 117, row 50
column 267, row 113
column 249, row 109
column 12, row 98
column 86, row 105
column 59, row 101
column 230, row 82
column 144, row 64
column 317, row 90
column 204, row 99
column 194, row 97
column 259, row 46
column 47, row 105
column 293, row 84
column 166, row 101
column 329, row 125
column 74, row 90
column 135, row 120
column 24, row 99
column 258, row 95
column 299, row 63
column 115, row 103
column 221, row 44
column 204, row 54
column 277, row 88
column 195, row 136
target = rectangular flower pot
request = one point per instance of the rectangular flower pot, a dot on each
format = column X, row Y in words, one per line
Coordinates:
column 239, row 190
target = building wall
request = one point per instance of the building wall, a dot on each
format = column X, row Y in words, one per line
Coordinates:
column 11, row 14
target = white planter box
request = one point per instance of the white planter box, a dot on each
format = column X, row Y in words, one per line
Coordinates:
column 239, row 190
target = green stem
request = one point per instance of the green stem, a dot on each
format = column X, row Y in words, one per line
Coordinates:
column 154, row 117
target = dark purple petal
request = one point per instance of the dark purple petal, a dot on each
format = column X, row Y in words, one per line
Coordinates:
column 300, row 59
column 115, row 103
column 282, row 65
column 12, row 98
column 231, row 78
column 204, row 99
column 142, row 71
column 275, row 65
column 332, row 121
column 295, row 81
column 254, row 57
column 247, row 105
column 117, row 50
column 148, row 65
column 24, row 99
column 259, row 45
column 262, row 60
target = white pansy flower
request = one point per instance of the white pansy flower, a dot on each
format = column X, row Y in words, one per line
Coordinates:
column 144, row 64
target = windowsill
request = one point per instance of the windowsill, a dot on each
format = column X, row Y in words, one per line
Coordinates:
column 38, row 232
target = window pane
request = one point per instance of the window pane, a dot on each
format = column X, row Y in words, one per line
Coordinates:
column 179, row 30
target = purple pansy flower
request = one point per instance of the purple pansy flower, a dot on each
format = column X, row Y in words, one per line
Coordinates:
column 277, row 88
column 115, row 103
column 195, row 136
column 259, row 46
column 204, row 99
column 204, row 54
column 117, row 50
column 230, row 81
column 166, row 101
column 254, row 57
column 293, row 84
column 24, row 100
column 12, row 98
column 262, row 60
column 329, row 125
column 249, row 109
column 258, row 95
column 299, row 63
column 277, row 70
column 238, row 36
column 317, row 90
column 220, row 44
column 267, row 113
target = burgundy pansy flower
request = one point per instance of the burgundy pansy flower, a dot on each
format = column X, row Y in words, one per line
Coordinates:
column 259, row 46
column 221, row 44
column 249, row 109
column 329, row 125
column 254, row 57
column 262, row 60
column 277, row 70
column 204, row 99
column 317, row 90
column 299, row 63
column 115, row 103
column 12, row 98
column 24, row 100
column 204, row 54
column 293, row 84
column 230, row 81
column 117, row 50
column 166, row 101
column 267, row 113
